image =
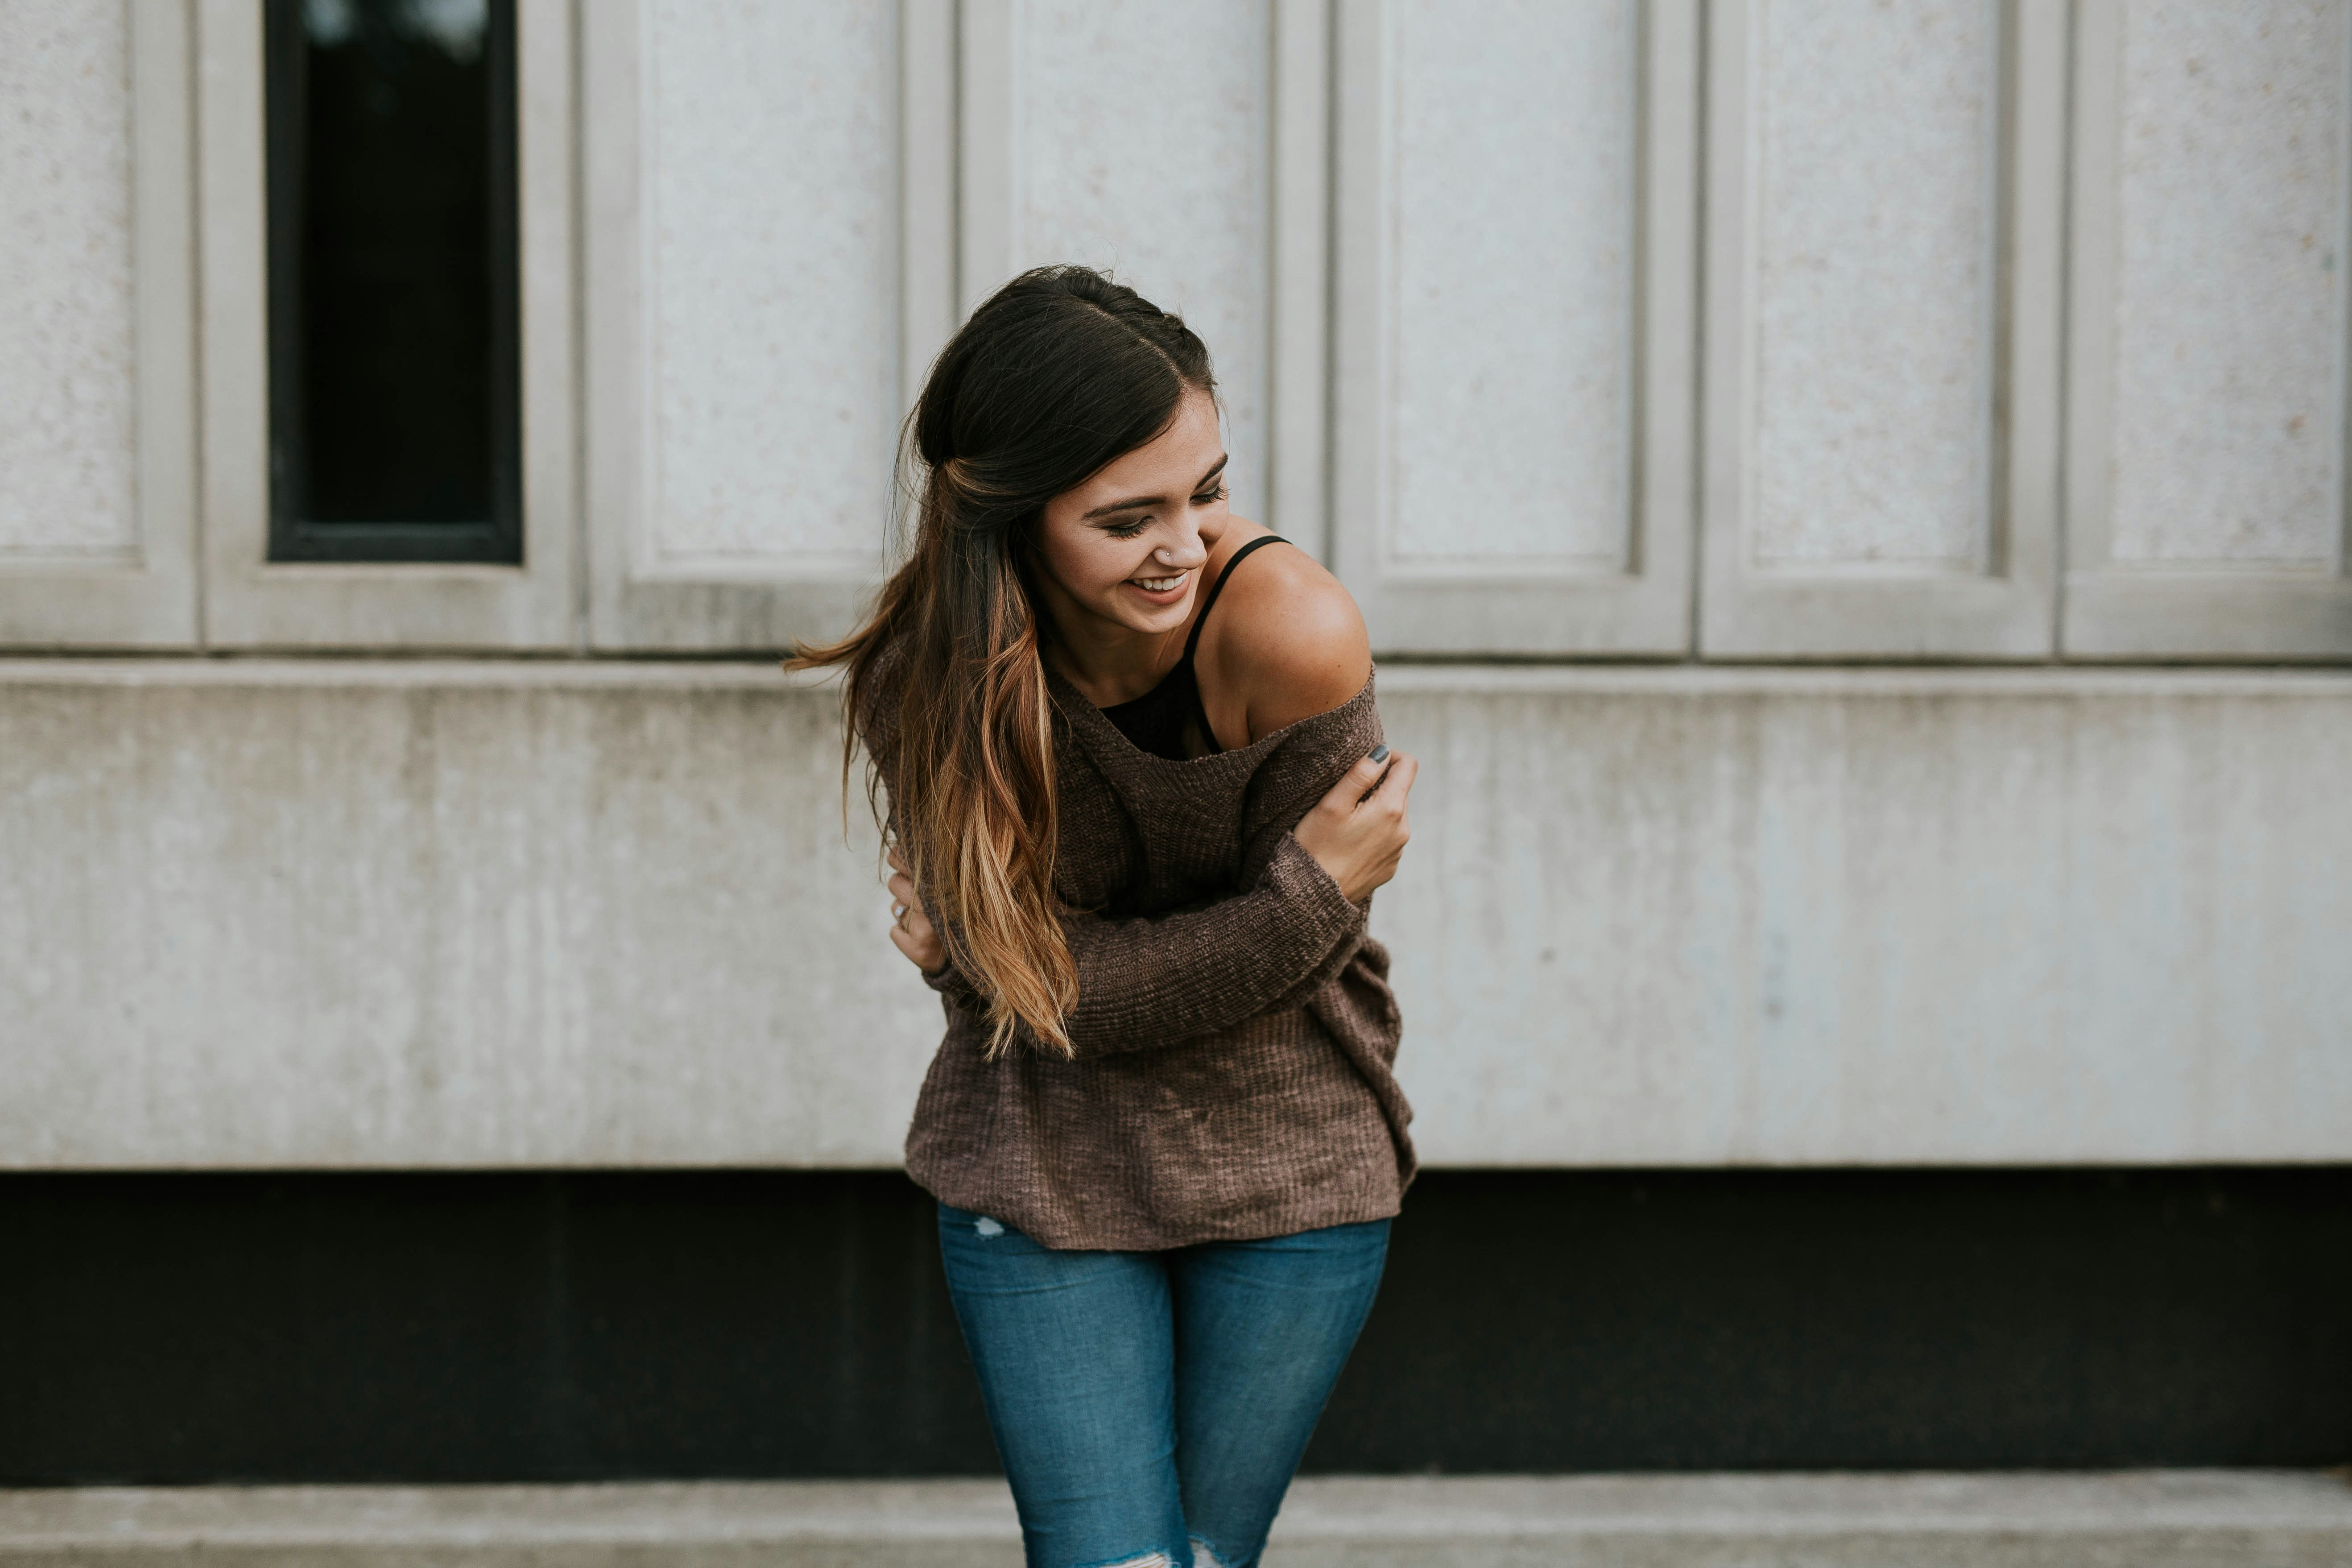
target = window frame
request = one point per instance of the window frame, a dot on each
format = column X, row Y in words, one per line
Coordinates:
column 146, row 598
column 251, row 602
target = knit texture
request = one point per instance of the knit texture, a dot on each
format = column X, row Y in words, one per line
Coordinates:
column 1235, row 1028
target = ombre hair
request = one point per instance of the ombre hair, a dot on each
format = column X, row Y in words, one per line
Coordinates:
column 1058, row 374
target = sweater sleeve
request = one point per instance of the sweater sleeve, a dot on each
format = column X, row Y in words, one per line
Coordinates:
column 1155, row 981
column 1287, row 930
column 1151, row 980
column 1146, row 982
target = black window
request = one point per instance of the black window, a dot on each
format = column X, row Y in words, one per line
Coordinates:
column 395, row 418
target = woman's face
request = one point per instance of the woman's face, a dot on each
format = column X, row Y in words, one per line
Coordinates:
column 1124, row 549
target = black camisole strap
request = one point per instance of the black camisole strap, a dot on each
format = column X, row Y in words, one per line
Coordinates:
column 1200, row 708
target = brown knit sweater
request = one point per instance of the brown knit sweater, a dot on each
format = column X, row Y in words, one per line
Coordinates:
column 1234, row 1026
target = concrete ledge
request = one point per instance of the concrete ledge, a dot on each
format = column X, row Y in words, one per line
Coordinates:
column 1486, row 679
column 458, row 914
column 2178, row 1519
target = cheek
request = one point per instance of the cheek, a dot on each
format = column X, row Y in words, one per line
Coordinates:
column 1089, row 564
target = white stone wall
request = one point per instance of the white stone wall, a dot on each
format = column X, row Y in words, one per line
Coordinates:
column 67, row 393
column 770, row 244
column 1597, row 329
column 2228, row 303
column 421, row 915
column 773, row 209
column 1513, row 421
column 1872, row 134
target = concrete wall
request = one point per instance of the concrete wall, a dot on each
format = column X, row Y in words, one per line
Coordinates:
column 1450, row 259
column 1478, row 348
column 403, row 914
column 65, row 281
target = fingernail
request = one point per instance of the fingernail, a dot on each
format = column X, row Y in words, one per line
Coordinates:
column 1381, row 752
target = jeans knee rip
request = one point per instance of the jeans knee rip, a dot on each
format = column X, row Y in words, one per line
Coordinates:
column 1204, row 1555
column 1147, row 1559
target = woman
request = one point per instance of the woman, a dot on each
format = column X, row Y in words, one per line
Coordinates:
column 1132, row 845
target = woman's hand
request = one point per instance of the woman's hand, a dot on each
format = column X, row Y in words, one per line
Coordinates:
column 1358, row 832
column 911, row 929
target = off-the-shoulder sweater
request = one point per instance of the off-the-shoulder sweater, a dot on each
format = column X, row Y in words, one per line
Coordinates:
column 1234, row 1027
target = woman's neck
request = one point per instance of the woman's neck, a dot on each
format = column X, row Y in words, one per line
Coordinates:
column 1109, row 663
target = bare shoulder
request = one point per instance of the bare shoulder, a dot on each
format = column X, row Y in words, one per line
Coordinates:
column 1288, row 643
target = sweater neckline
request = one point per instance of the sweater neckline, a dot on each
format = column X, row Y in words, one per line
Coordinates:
column 1082, row 712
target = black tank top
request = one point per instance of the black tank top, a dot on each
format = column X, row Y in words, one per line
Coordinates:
column 1157, row 721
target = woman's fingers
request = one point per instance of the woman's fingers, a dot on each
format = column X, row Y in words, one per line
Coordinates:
column 924, row 952
column 1399, row 783
column 1358, row 831
column 910, row 930
column 1357, row 782
column 911, row 934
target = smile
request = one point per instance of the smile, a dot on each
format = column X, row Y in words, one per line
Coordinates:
column 1161, row 584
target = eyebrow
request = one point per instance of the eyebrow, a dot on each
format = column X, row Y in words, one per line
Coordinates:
column 1132, row 502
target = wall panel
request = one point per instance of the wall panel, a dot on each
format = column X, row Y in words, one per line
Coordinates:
column 2229, row 297
column 1513, row 413
column 96, row 531
column 1514, row 277
column 767, row 261
column 2207, row 497
column 770, row 254
column 1883, row 310
column 1875, row 148
column 1138, row 136
column 66, row 405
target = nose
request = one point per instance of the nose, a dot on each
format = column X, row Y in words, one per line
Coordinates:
column 1184, row 555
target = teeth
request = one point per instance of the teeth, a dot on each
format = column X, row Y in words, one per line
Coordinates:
column 1158, row 584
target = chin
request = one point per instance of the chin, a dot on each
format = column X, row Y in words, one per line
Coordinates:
column 1141, row 620
column 1131, row 610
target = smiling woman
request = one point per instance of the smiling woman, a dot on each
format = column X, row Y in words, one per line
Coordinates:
column 1133, row 849
column 1291, row 647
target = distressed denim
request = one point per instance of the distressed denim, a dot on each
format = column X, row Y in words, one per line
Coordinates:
column 1151, row 1407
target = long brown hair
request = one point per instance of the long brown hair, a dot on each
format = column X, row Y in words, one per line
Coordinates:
column 1059, row 373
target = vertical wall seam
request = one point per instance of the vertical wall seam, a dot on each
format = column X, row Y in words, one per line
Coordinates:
column 576, row 178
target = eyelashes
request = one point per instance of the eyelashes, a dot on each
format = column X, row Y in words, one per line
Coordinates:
column 1129, row 530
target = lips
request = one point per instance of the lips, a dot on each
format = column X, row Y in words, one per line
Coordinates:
column 1159, row 586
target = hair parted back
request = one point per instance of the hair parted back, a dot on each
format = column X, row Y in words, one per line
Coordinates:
column 1059, row 373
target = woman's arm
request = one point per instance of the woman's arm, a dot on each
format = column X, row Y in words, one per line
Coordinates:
column 1151, row 980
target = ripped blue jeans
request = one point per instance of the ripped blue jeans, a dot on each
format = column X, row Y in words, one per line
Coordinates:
column 1151, row 1407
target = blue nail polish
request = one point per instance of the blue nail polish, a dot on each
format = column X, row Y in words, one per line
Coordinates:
column 1381, row 752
